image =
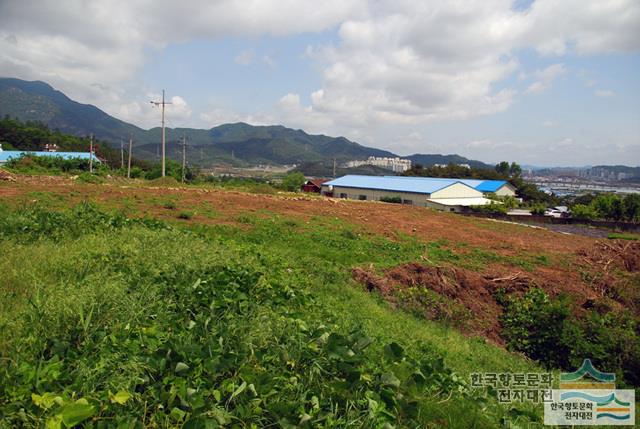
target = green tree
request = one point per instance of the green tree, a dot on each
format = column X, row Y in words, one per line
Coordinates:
column 582, row 211
column 293, row 181
column 172, row 169
column 515, row 170
column 632, row 207
column 503, row 168
column 617, row 209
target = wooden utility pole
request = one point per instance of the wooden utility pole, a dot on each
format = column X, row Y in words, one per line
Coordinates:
column 91, row 153
column 162, row 103
column 184, row 155
column 129, row 162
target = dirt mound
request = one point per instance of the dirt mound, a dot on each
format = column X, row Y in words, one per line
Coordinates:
column 6, row 176
column 610, row 266
column 464, row 289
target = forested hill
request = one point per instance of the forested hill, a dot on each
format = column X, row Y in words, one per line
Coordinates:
column 33, row 136
column 238, row 144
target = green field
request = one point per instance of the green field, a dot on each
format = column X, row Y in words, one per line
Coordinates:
column 111, row 321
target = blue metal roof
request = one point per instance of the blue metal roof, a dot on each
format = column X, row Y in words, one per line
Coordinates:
column 418, row 185
column 490, row 185
column 6, row 155
column 478, row 184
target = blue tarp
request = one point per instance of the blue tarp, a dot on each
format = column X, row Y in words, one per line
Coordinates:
column 6, row 155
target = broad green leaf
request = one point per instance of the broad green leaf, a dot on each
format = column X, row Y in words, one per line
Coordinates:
column 181, row 366
column 46, row 400
column 120, row 398
column 394, row 351
column 239, row 390
column 177, row 414
column 390, row 379
column 201, row 423
column 77, row 412
column 54, row 422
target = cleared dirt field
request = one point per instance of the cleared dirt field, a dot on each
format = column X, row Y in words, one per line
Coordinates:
column 513, row 257
column 381, row 218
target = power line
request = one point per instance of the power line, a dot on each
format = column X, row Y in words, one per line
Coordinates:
column 162, row 103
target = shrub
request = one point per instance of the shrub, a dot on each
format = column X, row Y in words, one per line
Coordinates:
column 186, row 215
column 172, row 169
column 584, row 212
column 547, row 331
column 169, row 205
column 293, row 181
column 538, row 209
column 536, row 327
column 87, row 177
column 492, row 208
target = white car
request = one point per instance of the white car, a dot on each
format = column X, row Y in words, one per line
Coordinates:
column 553, row 213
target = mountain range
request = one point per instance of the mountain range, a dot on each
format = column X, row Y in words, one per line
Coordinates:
column 237, row 144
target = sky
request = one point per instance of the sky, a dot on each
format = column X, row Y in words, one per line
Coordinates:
column 544, row 82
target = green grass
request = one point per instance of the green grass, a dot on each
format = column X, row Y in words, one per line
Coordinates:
column 623, row 236
column 122, row 320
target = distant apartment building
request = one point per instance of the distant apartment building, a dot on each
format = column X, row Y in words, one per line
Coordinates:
column 446, row 165
column 396, row 165
column 606, row 173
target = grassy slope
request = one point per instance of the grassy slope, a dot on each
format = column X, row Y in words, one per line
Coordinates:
column 71, row 276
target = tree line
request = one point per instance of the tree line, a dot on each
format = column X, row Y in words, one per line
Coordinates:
column 607, row 206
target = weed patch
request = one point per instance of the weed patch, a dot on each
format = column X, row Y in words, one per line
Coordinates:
column 141, row 322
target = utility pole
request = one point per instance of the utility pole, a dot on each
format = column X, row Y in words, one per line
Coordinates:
column 162, row 103
column 334, row 168
column 121, row 153
column 129, row 162
column 184, row 155
column 91, row 153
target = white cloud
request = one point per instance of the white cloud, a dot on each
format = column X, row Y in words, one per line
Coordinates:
column 549, row 123
column 75, row 44
column 269, row 61
column 396, row 63
column 605, row 93
column 585, row 27
column 245, row 57
column 544, row 78
column 412, row 62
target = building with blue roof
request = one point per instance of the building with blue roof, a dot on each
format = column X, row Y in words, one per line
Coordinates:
column 6, row 155
column 501, row 188
column 443, row 194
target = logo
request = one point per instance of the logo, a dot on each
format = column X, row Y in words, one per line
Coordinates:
column 577, row 379
column 589, row 397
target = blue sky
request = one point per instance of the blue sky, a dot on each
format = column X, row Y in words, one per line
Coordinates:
column 539, row 82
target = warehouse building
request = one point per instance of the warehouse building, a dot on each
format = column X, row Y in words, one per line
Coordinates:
column 442, row 194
